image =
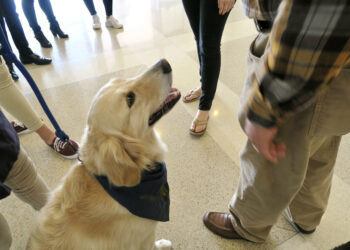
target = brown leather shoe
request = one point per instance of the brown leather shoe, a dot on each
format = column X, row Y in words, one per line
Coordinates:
column 220, row 223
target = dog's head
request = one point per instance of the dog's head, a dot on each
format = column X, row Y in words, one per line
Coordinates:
column 119, row 139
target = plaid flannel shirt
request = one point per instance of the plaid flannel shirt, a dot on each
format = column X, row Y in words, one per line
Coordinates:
column 309, row 46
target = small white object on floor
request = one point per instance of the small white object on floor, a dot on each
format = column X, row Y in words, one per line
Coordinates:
column 163, row 244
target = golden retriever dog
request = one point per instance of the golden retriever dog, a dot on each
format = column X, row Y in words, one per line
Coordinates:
column 119, row 144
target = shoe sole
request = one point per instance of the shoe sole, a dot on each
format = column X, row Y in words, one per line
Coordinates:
column 199, row 133
column 191, row 100
column 27, row 131
column 297, row 228
column 31, row 62
column 111, row 26
column 70, row 157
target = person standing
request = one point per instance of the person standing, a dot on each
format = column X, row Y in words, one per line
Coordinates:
column 295, row 109
column 26, row 55
column 29, row 12
column 207, row 19
column 111, row 22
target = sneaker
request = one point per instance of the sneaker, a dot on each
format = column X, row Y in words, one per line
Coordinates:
column 20, row 128
column 65, row 149
column 289, row 217
column 111, row 22
column 96, row 24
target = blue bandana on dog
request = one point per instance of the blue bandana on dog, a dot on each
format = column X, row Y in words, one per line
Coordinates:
column 149, row 199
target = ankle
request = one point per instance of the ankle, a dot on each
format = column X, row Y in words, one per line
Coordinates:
column 46, row 134
column 202, row 114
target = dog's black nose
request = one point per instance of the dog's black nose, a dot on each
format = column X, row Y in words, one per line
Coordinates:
column 165, row 66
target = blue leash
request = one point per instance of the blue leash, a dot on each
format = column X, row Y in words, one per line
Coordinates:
column 6, row 52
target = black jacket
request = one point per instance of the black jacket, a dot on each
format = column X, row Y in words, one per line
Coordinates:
column 9, row 149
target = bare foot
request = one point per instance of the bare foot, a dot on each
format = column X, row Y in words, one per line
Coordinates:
column 201, row 116
column 192, row 95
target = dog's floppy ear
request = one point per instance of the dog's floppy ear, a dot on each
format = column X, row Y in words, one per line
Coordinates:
column 122, row 161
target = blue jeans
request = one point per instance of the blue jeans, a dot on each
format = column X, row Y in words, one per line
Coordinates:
column 91, row 7
column 29, row 11
column 207, row 26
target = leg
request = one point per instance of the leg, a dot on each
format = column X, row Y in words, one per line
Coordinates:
column 5, row 235
column 55, row 28
column 26, row 183
column 29, row 12
column 108, row 7
column 211, row 27
column 46, row 7
column 15, row 27
column 310, row 203
column 14, row 102
column 111, row 22
column 265, row 189
column 90, row 6
column 192, row 12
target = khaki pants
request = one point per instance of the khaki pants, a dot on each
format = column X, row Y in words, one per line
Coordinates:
column 301, row 181
column 27, row 185
column 14, row 102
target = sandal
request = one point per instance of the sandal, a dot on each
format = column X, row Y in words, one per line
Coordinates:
column 199, row 123
column 192, row 93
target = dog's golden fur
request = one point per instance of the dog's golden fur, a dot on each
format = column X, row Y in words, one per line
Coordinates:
column 118, row 143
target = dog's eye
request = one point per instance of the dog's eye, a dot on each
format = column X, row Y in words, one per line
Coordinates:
column 130, row 99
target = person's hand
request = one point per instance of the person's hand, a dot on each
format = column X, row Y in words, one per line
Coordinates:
column 225, row 6
column 263, row 140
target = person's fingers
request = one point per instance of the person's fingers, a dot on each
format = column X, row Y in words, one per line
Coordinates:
column 223, row 10
column 268, row 156
column 281, row 150
column 220, row 6
column 267, row 151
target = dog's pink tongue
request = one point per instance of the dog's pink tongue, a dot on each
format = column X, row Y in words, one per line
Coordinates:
column 173, row 93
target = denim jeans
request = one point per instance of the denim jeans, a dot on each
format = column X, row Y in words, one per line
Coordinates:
column 29, row 11
column 91, row 7
column 207, row 26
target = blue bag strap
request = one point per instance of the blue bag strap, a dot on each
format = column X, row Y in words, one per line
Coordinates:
column 9, row 56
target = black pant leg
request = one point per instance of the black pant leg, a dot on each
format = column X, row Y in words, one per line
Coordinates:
column 211, row 27
column 15, row 27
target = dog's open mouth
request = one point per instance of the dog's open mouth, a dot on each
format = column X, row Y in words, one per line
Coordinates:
column 173, row 96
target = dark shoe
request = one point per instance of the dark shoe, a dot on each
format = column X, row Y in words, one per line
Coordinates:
column 67, row 150
column 289, row 218
column 34, row 58
column 56, row 31
column 20, row 128
column 12, row 72
column 304, row 231
column 220, row 223
column 39, row 35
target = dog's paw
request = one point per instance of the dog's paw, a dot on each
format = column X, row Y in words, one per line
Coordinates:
column 163, row 244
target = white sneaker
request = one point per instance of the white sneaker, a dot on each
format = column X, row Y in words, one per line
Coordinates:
column 96, row 24
column 111, row 22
